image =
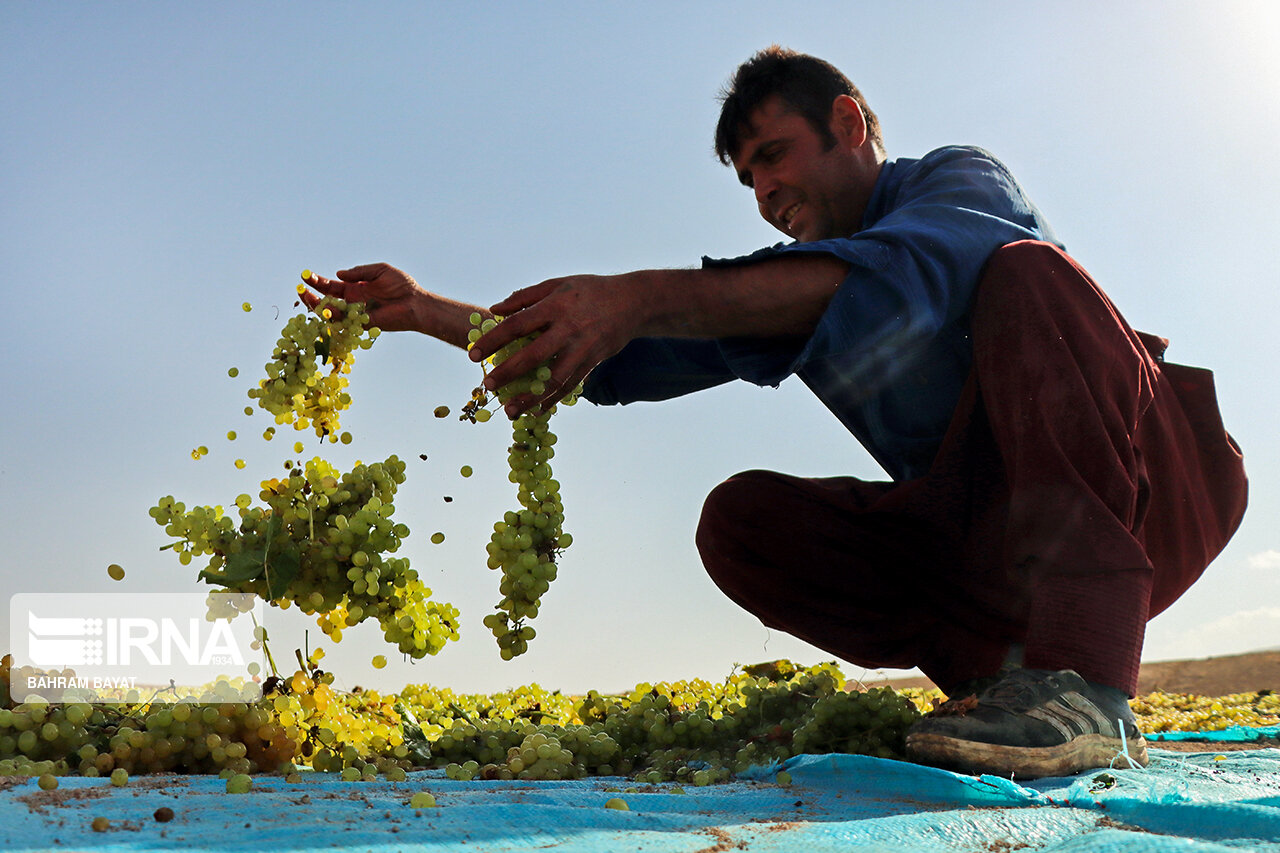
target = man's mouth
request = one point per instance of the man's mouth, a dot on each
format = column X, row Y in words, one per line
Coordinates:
column 789, row 214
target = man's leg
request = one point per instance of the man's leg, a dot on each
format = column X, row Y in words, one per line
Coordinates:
column 1101, row 466
column 1092, row 442
column 833, row 562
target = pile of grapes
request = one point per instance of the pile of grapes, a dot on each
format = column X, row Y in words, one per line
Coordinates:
column 1180, row 712
column 690, row 732
column 696, row 732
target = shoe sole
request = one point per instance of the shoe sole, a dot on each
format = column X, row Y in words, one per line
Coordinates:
column 1087, row 752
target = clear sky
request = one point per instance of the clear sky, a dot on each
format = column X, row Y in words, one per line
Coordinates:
column 161, row 163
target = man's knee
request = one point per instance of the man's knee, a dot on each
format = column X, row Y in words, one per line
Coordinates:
column 728, row 514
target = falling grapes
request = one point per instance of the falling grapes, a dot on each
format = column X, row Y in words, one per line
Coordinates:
column 297, row 390
column 322, row 540
column 526, row 541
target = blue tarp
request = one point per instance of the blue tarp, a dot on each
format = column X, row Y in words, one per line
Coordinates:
column 1236, row 734
column 1181, row 802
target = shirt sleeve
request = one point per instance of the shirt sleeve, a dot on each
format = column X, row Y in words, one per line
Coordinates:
column 912, row 270
column 657, row 369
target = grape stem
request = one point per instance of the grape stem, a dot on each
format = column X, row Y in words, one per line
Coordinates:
column 266, row 552
column 265, row 648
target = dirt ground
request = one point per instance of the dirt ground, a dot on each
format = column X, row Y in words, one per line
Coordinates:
column 1213, row 676
column 1216, row 676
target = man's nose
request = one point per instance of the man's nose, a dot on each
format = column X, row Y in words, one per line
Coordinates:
column 765, row 191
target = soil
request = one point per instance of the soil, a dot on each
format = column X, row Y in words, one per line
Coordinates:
column 1218, row 676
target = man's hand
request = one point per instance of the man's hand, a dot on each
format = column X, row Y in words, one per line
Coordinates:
column 397, row 303
column 582, row 319
column 393, row 300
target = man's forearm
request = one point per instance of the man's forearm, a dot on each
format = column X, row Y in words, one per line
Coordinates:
column 445, row 319
column 781, row 296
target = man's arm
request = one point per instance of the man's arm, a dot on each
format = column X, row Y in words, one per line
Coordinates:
column 586, row 319
column 397, row 303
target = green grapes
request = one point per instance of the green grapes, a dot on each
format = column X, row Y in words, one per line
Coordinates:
column 524, row 544
column 295, row 390
column 240, row 783
column 694, row 732
column 324, row 541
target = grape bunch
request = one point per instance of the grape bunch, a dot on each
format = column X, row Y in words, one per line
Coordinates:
column 874, row 722
column 296, row 390
column 323, row 540
column 526, row 541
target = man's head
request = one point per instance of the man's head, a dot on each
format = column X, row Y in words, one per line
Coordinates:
column 805, row 84
column 807, row 148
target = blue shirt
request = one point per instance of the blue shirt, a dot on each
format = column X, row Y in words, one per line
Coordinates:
column 891, row 353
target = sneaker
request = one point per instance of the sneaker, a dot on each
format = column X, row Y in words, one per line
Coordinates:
column 1032, row 723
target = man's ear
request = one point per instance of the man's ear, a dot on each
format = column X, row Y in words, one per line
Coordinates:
column 847, row 122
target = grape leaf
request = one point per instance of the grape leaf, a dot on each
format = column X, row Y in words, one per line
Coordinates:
column 244, row 566
column 214, row 578
column 283, row 568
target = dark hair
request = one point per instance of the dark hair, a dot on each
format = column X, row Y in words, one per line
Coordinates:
column 806, row 84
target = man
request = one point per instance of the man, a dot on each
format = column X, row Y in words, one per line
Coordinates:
column 1055, row 484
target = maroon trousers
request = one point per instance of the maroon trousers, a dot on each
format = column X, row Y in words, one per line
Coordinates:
column 1083, row 485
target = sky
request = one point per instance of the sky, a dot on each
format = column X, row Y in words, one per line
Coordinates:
column 161, row 164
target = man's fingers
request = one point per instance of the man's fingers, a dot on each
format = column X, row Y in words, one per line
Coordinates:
column 522, row 362
column 574, row 364
column 364, row 272
column 510, row 329
column 524, row 297
column 337, row 289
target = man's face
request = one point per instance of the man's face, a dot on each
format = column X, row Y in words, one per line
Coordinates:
column 804, row 188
